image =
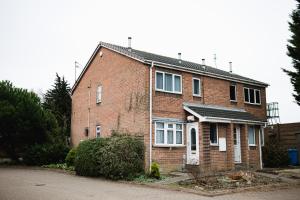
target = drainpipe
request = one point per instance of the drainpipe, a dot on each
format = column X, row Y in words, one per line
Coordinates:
column 150, row 115
column 261, row 131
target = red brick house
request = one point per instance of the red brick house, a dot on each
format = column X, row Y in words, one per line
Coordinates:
column 187, row 113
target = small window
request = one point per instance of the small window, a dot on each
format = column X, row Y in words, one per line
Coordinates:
column 98, row 131
column 257, row 96
column 168, row 134
column 246, row 94
column 251, row 136
column 213, row 134
column 160, row 136
column 168, row 82
column 99, row 94
column 196, row 87
column 193, row 139
column 177, row 83
column 252, row 99
column 232, row 92
column 159, row 80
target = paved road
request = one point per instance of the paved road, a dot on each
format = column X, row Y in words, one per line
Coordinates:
column 31, row 184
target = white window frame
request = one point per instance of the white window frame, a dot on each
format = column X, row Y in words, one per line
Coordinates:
column 173, row 82
column 98, row 130
column 248, row 102
column 165, row 144
column 217, row 130
column 254, row 139
column 99, row 94
column 197, row 95
column 235, row 95
column 262, row 137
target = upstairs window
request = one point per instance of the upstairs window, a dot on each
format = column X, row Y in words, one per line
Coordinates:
column 252, row 96
column 98, row 131
column 196, row 87
column 99, row 94
column 168, row 82
column 213, row 134
column 232, row 92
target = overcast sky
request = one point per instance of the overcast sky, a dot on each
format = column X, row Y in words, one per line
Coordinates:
column 40, row 38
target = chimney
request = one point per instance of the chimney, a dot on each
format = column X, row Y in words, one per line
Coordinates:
column 129, row 43
column 179, row 57
column 230, row 67
column 203, row 61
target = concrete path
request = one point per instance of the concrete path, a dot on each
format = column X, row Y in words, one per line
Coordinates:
column 36, row 184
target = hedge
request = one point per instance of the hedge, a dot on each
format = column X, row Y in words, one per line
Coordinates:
column 117, row 157
column 43, row 154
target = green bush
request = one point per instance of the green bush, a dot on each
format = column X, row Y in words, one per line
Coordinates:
column 275, row 155
column 86, row 154
column 43, row 154
column 154, row 173
column 70, row 159
column 117, row 157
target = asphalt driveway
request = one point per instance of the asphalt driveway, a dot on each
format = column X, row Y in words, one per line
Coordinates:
column 36, row 184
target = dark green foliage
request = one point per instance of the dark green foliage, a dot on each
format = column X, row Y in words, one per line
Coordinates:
column 294, row 51
column 275, row 155
column 117, row 157
column 23, row 121
column 58, row 101
column 85, row 160
column 154, row 173
column 70, row 159
column 43, row 154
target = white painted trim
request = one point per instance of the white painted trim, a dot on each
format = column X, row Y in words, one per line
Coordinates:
column 213, row 106
column 200, row 89
column 223, row 77
column 259, row 144
column 165, row 129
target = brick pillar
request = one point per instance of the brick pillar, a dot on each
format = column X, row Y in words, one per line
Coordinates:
column 206, row 146
column 230, row 146
column 244, row 145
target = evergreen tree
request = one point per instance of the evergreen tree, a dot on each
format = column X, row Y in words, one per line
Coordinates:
column 293, row 48
column 23, row 121
column 58, row 101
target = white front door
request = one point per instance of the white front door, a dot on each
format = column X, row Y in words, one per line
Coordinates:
column 237, row 144
column 192, row 143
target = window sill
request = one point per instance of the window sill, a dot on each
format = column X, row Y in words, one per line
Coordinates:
column 254, row 104
column 252, row 145
column 194, row 95
column 158, row 90
column 233, row 101
column 214, row 145
column 168, row 145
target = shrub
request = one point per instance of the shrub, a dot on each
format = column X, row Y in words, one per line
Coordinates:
column 154, row 173
column 117, row 157
column 71, row 157
column 43, row 154
column 85, row 160
column 275, row 155
column 121, row 158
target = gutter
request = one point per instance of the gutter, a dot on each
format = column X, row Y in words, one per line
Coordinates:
column 150, row 115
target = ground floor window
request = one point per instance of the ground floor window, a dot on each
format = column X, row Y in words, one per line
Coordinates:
column 168, row 133
column 251, row 136
column 213, row 134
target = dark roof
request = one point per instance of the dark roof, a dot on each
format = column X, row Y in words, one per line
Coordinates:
column 146, row 56
column 225, row 113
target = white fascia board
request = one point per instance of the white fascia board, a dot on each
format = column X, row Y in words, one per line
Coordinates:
column 201, row 118
column 169, row 66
